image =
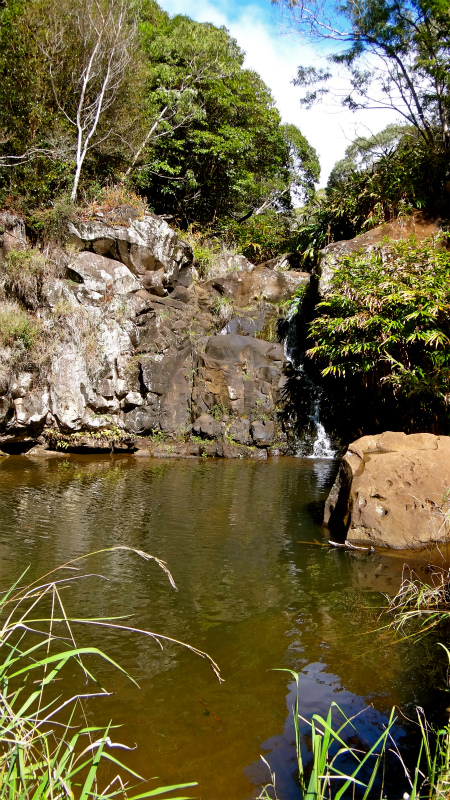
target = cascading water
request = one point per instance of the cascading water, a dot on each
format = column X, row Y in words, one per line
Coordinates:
column 315, row 442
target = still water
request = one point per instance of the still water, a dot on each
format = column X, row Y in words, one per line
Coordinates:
column 254, row 591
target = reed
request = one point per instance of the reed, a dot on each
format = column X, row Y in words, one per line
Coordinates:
column 326, row 774
column 47, row 748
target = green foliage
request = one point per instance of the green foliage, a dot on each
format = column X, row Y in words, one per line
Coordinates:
column 51, row 224
column 183, row 122
column 22, row 275
column 110, row 436
column 303, row 163
column 337, row 766
column 229, row 146
column 406, row 178
column 396, row 55
column 47, row 749
column 387, row 318
column 218, row 410
column 263, row 236
column 365, row 151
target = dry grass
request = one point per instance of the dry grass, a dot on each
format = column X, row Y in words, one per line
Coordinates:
column 23, row 275
column 112, row 197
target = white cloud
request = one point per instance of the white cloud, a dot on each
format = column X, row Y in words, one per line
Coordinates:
column 275, row 55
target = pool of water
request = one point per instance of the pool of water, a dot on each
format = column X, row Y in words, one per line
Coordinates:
column 256, row 590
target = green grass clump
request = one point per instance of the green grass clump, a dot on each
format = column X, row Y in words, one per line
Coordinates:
column 328, row 777
column 47, row 748
column 17, row 327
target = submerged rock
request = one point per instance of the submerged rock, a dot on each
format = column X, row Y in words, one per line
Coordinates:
column 392, row 491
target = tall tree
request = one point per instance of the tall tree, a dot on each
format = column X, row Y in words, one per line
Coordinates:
column 231, row 154
column 88, row 46
column 397, row 54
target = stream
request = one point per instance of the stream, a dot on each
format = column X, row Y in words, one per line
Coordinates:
column 254, row 591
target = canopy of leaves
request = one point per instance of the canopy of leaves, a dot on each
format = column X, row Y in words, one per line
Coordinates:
column 396, row 54
column 387, row 318
column 228, row 150
column 411, row 176
column 183, row 122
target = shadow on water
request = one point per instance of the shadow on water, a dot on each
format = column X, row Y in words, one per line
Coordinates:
column 254, row 591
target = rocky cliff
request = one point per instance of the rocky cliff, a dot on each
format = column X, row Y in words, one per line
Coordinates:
column 115, row 343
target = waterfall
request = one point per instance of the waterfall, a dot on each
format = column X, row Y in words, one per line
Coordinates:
column 315, row 443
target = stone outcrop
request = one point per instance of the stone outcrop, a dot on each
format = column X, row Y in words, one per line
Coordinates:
column 391, row 491
column 138, row 355
column 12, row 233
column 244, row 289
column 414, row 225
column 144, row 245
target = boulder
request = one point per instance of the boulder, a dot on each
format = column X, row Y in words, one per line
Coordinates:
column 145, row 245
column 239, row 430
column 21, row 385
column 12, row 233
column 284, row 262
column 228, row 263
column 99, row 275
column 239, row 374
column 206, row 425
column 263, row 432
column 391, row 491
column 246, row 288
column 5, row 409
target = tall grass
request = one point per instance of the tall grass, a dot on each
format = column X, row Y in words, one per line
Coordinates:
column 47, row 747
column 336, row 769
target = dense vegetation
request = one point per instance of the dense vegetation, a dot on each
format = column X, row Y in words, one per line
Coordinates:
column 93, row 93
column 386, row 319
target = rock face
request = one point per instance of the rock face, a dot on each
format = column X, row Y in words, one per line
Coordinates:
column 145, row 245
column 136, row 348
column 390, row 491
column 12, row 233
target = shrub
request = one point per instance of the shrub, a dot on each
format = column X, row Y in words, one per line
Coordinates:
column 52, row 224
column 107, row 198
column 387, row 319
column 264, row 236
column 410, row 177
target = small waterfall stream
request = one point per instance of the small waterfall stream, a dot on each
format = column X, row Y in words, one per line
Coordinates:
column 316, row 442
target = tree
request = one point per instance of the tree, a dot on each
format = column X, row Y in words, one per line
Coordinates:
column 396, row 53
column 303, row 163
column 229, row 154
column 90, row 44
column 365, row 151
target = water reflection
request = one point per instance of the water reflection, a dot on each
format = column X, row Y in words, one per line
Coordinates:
column 249, row 594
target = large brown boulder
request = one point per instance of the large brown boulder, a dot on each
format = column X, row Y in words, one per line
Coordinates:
column 246, row 288
column 391, row 491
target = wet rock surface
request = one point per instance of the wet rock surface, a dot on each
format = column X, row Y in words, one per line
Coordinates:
column 392, row 491
column 141, row 358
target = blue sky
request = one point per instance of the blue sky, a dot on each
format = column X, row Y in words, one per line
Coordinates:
column 275, row 53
